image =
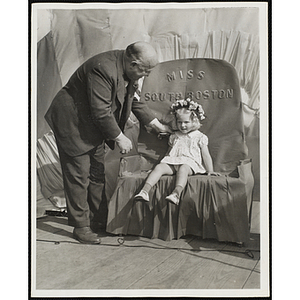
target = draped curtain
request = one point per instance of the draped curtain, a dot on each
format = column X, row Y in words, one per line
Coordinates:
column 66, row 38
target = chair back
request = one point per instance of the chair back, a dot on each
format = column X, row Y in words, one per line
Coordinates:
column 214, row 84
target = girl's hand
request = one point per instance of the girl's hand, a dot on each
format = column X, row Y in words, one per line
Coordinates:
column 214, row 174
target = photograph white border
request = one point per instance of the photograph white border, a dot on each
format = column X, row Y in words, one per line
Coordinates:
column 264, row 155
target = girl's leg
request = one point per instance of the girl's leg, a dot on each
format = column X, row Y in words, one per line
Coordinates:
column 182, row 175
column 181, row 179
column 155, row 175
column 153, row 178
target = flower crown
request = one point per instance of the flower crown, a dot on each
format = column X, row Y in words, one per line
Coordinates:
column 190, row 105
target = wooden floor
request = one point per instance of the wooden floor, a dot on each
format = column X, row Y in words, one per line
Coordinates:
column 142, row 263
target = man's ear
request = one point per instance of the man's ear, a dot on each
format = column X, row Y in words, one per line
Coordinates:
column 133, row 63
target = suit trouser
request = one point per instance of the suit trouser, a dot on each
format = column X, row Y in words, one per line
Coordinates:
column 84, row 180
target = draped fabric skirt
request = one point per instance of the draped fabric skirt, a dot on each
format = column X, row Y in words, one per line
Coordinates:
column 210, row 207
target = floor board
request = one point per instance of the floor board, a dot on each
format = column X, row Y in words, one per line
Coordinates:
column 142, row 263
column 253, row 281
column 194, row 271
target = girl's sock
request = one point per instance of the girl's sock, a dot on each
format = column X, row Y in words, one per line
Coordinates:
column 178, row 190
column 147, row 187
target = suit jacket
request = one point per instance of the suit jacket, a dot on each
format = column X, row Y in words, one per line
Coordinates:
column 90, row 107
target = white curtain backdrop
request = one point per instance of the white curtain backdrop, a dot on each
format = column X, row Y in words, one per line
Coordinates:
column 231, row 34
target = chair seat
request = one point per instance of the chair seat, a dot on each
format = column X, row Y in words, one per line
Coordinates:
column 210, row 207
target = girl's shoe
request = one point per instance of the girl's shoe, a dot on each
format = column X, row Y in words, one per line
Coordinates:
column 174, row 198
column 142, row 195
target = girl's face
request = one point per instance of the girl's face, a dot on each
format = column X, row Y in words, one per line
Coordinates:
column 184, row 123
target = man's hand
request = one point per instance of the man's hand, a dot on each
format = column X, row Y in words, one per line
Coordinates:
column 159, row 127
column 124, row 143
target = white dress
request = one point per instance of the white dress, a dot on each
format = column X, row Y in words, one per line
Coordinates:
column 186, row 149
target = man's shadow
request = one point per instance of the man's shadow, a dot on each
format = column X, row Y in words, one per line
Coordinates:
column 43, row 224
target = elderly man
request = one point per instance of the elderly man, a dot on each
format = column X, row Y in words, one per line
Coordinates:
column 91, row 109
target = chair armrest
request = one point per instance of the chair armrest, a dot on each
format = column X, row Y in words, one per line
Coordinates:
column 134, row 164
column 246, row 176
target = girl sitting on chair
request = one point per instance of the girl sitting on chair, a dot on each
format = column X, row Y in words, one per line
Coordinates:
column 187, row 152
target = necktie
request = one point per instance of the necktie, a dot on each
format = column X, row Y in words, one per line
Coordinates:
column 130, row 90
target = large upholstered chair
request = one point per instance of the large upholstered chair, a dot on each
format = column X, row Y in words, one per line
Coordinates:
column 210, row 207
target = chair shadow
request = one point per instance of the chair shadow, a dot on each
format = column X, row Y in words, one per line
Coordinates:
column 248, row 250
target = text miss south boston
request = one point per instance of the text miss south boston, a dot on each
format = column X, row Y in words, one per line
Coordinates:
column 198, row 95
column 194, row 93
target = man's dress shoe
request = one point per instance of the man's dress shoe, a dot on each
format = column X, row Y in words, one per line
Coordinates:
column 86, row 236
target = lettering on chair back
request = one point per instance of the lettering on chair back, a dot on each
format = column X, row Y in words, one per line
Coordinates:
column 213, row 84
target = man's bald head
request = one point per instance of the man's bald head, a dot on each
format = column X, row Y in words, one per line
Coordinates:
column 142, row 53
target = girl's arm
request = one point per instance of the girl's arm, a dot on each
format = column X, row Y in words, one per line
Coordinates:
column 208, row 161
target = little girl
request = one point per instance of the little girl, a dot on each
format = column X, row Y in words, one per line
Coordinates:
column 188, row 149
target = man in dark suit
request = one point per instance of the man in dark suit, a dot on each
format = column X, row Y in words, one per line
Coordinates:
column 91, row 109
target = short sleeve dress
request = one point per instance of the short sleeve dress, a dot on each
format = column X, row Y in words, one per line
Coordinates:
column 186, row 149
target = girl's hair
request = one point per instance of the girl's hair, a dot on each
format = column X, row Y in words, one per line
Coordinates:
column 188, row 106
column 185, row 111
